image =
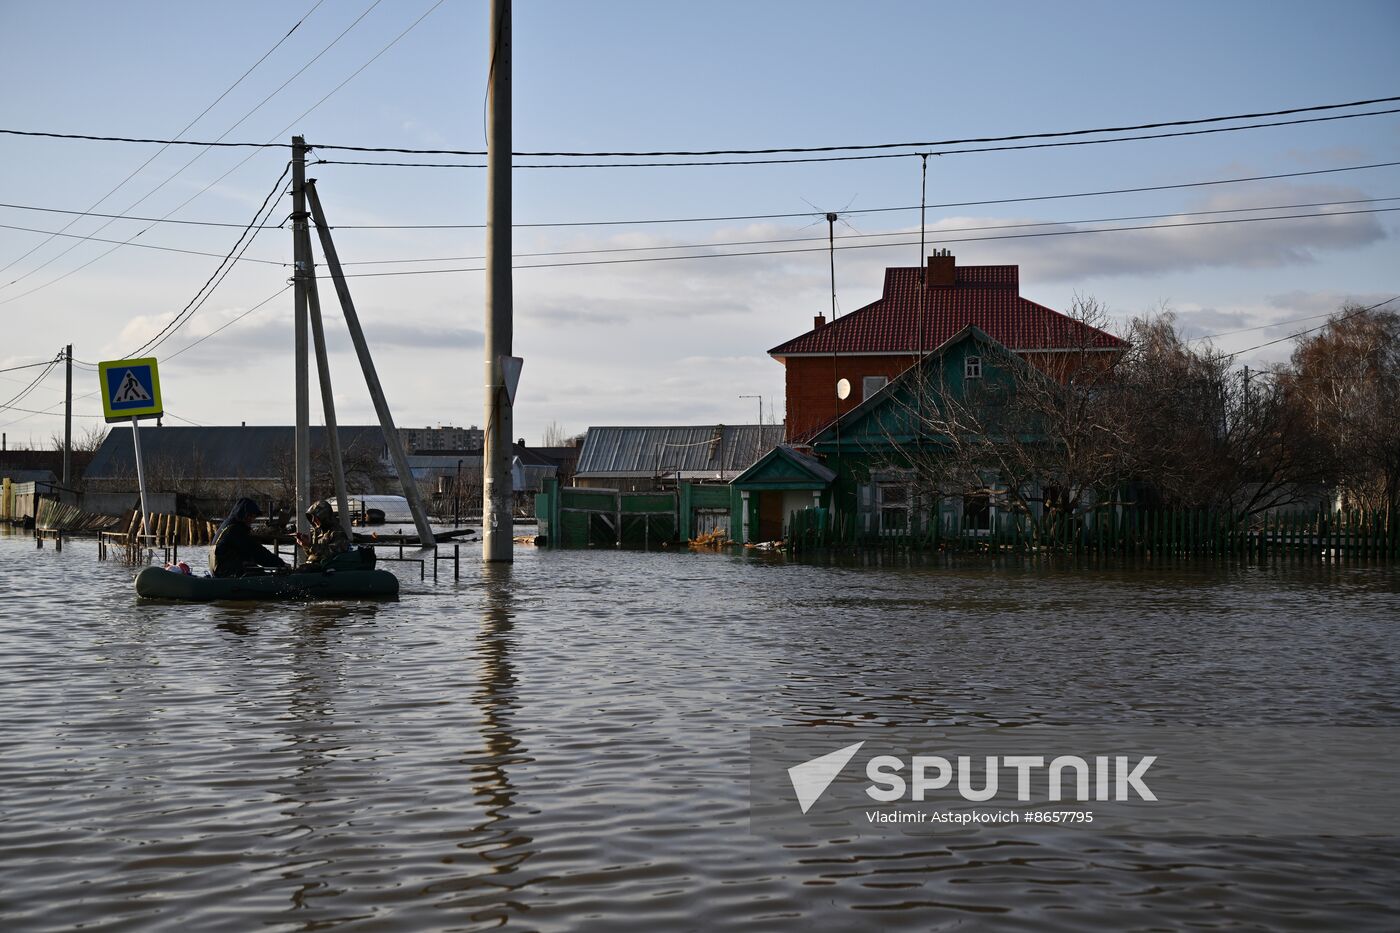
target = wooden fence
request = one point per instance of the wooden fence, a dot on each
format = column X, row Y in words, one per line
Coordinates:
column 1364, row 534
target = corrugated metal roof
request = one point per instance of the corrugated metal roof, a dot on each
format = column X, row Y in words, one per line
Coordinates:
column 235, row 452
column 987, row 297
column 711, row 449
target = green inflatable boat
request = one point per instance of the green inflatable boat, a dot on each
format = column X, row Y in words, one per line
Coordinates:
column 158, row 583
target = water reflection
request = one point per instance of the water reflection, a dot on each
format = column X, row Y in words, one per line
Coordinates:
column 498, row 841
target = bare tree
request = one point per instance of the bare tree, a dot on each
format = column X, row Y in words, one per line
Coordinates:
column 1042, row 437
column 1203, row 434
column 1345, row 383
column 86, row 442
column 554, row 435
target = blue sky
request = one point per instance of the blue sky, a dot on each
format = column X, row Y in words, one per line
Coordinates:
column 664, row 342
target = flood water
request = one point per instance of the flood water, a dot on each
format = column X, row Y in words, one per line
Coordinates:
column 563, row 744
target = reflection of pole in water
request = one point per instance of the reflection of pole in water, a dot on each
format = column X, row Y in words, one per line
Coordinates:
column 495, row 698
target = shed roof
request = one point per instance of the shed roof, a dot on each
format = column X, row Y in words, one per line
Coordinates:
column 911, row 317
column 723, row 449
column 218, row 452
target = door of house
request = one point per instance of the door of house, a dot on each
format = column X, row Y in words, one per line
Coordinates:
column 770, row 515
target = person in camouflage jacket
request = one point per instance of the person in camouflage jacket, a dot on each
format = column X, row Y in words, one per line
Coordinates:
column 326, row 539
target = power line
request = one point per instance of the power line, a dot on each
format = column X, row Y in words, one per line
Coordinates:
column 162, row 149
column 20, row 396
column 1345, row 317
column 905, row 145
column 855, row 147
column 876, row 210
column 224, row 266
column 811, row 249
column 736, row 217
column 11, row 369
column 195, row 343
column 48, row 411
column 165, row 249
column 860, row 158
column 182, row 168
column 182, row 132
column 857, row 236
column 158, row 220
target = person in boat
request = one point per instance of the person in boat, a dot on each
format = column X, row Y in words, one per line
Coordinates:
column 326, row 539
column 234, row 553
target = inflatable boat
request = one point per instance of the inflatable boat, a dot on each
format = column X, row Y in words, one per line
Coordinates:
column 159, row 583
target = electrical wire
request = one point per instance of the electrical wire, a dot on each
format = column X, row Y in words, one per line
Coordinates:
column 11, row 369
column 164, row 249
column 1345, row 317
column 814, row 249
column 874, row 210
column 857, row 236
column 926, row 144
column 738, row 217
column 227, row 264
column 20, row 396
column 862, row 158
column 230, row 323
column 196, row 158
column 182, row 132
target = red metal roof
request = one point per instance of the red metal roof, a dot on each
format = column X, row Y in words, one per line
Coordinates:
column 988, row 297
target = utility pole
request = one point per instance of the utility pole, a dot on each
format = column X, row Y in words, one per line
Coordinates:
column 323, row 372
column 376, row 390
column 300, row 241
column 760, row 424
column 68, row 419
column 831, row 249
column 497, row 521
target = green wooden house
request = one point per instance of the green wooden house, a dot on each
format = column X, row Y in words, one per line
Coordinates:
column 875, row 470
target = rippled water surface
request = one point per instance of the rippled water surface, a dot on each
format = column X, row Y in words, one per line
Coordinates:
column 563, row 744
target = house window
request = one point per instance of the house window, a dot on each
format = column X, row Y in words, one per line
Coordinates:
column 894, row 508
column 869, row 385
column 972, row 367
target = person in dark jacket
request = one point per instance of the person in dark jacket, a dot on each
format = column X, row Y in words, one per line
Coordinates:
column 234, row 553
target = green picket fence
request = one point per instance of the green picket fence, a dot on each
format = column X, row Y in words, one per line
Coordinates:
column 1114, row 531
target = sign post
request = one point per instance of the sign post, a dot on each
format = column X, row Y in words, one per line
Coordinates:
column 131, row 389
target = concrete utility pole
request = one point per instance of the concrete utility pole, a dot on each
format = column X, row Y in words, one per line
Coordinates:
column 300, row 256
column 376, row 391
column 497, row 496
column 323, row 371
column 68, row 420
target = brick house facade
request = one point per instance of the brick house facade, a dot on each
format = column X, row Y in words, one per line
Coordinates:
column 919, row 309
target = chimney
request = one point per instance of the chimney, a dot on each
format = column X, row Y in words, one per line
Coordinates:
column 940, row 270
column 818, row 321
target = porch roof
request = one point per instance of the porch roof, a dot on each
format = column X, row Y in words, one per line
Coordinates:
column 785, row 467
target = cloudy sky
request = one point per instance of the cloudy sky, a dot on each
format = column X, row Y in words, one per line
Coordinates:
column 609, row 339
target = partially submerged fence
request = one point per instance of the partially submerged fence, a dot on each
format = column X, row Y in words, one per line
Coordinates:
column 576, row 517
column 1111, row 530
column 166, row 533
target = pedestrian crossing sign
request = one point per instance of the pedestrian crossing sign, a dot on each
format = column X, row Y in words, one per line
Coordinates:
column 130, row 389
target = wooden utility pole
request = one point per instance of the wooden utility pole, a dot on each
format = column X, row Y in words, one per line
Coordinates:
column 376, row 391
column 497, row 520
column 68, row 420
column 300, row 259
column 323, row 371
